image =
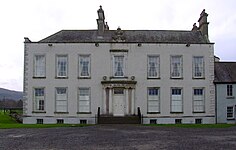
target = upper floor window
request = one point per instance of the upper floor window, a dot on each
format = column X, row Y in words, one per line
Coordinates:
column 39, row 98
column 176, row 100
column 118, row 67
column 198, row 67
column 39, row 66
column 62, row 65
column 229, row 90
column 84, row 65
column 176, row 66
column 198, row 100
column 153, row 67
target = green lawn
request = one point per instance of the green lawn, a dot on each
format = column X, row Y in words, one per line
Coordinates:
column 6, row 122
column 193, row 125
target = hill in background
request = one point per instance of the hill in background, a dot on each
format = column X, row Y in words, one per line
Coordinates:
column 10, row 95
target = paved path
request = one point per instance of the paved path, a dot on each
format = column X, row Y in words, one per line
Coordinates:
column 133, row 137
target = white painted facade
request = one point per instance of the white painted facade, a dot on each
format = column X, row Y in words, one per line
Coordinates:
column 135, row 65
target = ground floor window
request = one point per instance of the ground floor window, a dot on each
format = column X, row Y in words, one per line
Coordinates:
column 153, row 100
column 39, row 99
column 230, row 112
column 176, row 100
column 84, row 100
column 198, row 100
column 61, row 99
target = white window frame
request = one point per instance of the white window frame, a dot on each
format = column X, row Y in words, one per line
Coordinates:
column 115, row 65
column 81, row 66
column 198, row 99
column 150, row 68
column 58, row 70
column 198, row 67
column 232, row 112
column 229, row 90
column 39, row 67
column 153, row 100
column 61, row 100
column 176, row 100
column 176, row 68
column 40, row 98
column 85, row 100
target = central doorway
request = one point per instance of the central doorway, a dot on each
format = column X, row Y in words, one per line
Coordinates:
column 118, row 102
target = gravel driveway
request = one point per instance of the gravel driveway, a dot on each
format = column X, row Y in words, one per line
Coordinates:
column 118, row 137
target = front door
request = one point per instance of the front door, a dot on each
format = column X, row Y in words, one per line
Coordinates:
column 118, row 102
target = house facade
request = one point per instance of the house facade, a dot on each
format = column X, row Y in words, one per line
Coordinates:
column 168, row 75
column 225, row 82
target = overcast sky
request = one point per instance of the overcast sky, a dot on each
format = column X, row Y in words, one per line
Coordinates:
column 39, row 19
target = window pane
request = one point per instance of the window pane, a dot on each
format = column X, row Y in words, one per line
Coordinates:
column 61, row 99
column 84, row 100
column 61, row 66
column 230, row 112
column 198, row 66
column 39, row 64
column 229, row 90
column 176, row 100
column 198, row 100
column 84, row 66
column 153, row 100
column 176, row 66
column 119, row 66
column 39, row 98
column 153, row 66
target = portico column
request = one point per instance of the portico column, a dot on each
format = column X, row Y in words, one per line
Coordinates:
column 132, row 102
column 110, row 101
column 104, row 101
column 126, row 101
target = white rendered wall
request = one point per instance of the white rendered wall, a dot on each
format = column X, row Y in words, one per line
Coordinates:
column 136, row 65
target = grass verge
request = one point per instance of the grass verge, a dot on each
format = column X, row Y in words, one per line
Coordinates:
column 6, row 122
column 193, row 125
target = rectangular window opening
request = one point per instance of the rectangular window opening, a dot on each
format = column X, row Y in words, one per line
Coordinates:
column 176, row 66
column 176, row 100
column 153, row 100
column 198, row 121
column 118, row 66
column 198, row 100
column 229, row 90
column 83, row 121
column 84, row 66
column 153, row 66
column 62, row 66
column 84, row 100
column 39, row 99
column 198, row 67
column 60, row 121
column 153, row 121
column 39, row 66
column 39, row 121
column 178, row 121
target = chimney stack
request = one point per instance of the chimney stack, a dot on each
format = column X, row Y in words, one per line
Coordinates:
column 203, row 24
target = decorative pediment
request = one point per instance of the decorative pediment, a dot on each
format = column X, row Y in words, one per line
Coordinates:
column 119, row 36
